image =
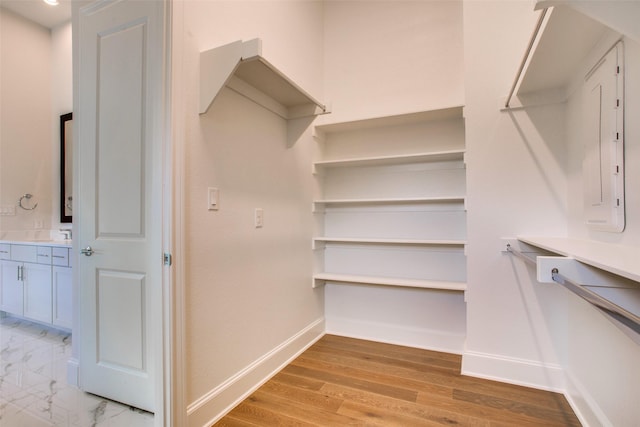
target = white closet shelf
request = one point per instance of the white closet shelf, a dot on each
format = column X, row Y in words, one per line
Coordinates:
column 408, row 242
column 454, row 112
column 389, row 201
column 617, row 259
column 557, row 54
column 321, row 278
column 439, row 156
column 241, row 67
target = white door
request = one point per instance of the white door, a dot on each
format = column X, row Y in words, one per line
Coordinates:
column 119, row 120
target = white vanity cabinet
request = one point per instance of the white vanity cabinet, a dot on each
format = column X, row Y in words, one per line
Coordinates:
column 11, row 293
column 62, row 285
column 35, row 283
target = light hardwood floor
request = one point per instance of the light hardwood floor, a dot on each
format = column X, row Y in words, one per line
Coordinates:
column 343, row 381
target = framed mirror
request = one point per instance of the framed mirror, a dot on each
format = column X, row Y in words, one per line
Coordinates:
column 66, row 167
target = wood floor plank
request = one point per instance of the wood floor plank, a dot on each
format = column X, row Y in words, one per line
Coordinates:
column 533, row 411
column 425, row 413
column 515, row 392
column 389, row 360
column 426, row 357
column 343, row 381
column 299, row 382
column 376, row 416
column 231, row 421
column 351, row 381
column 384, row 348
column 478, row 410
column 251, row 411
column 300, row 411
column 436, row 382
column 306, row 397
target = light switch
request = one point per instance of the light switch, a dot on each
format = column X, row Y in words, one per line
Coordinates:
column 259, row 217
column 212, row 198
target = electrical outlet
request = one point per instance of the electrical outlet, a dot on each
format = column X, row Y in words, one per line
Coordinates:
column 7, row 210
column 259, row 218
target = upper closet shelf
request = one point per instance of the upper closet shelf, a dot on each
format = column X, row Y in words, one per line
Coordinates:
column 397, row 120
column 241, row 67
column 439, row 156
column 561, row 42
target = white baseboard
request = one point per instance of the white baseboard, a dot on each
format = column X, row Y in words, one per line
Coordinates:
column 219, row 401
column 523, row 372
column 73, row 372
column 397, row 334
column 585, row 407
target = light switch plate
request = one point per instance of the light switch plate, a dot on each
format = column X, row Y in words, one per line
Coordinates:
column 259, row 217
column 213, row 198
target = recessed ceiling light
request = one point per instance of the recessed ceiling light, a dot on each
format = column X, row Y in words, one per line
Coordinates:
column 51, row 2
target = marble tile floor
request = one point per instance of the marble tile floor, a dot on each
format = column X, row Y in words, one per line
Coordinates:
column 33, row 387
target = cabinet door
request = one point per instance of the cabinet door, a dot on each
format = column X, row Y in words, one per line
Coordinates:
column 62, row 297
column 37, row 292
column 10, row 287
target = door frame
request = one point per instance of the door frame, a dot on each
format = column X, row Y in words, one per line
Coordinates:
column 169, row 392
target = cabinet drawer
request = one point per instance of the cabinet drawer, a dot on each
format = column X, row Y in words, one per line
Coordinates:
column 25, row 253
column 5, row 251
column 60, row 256
column 44, row 255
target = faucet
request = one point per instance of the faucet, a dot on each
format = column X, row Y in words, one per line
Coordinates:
column 66, row 232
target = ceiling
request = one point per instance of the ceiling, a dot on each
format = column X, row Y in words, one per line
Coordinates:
column 40, row 12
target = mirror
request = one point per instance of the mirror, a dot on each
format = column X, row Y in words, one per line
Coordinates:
column 66, row 167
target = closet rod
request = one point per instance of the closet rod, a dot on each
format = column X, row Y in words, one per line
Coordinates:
column 534, row 36
column 519, row 254
column 625, row 317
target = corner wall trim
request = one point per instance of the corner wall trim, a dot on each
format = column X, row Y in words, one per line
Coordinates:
column 586, row 408
column 212, row 406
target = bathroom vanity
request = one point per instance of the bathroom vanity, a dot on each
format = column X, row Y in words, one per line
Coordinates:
column 36, row 281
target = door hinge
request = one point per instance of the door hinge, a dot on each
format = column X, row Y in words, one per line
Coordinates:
column 166, row 259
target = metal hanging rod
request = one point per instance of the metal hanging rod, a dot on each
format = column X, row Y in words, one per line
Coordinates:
column 520, row 255
column 625, row 317
column 532, row 41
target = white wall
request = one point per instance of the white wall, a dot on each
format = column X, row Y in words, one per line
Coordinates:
column 392, row 57
column 524, row 177
column 516, row 185
column 25, row 130
column 36, row 75
column 249, row 301
column 609, row 393
column 62, row 103
column 389, row 58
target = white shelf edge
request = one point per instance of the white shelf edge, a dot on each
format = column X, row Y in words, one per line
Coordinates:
column 321, row 278
column 400, row 200
column 417, row 242
column 450, row 155
column 262, row 82
column 446, row 113
column 617, row 259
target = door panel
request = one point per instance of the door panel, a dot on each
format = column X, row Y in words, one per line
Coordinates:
column 121, row 314
column 120, row 92
column 121, row 67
